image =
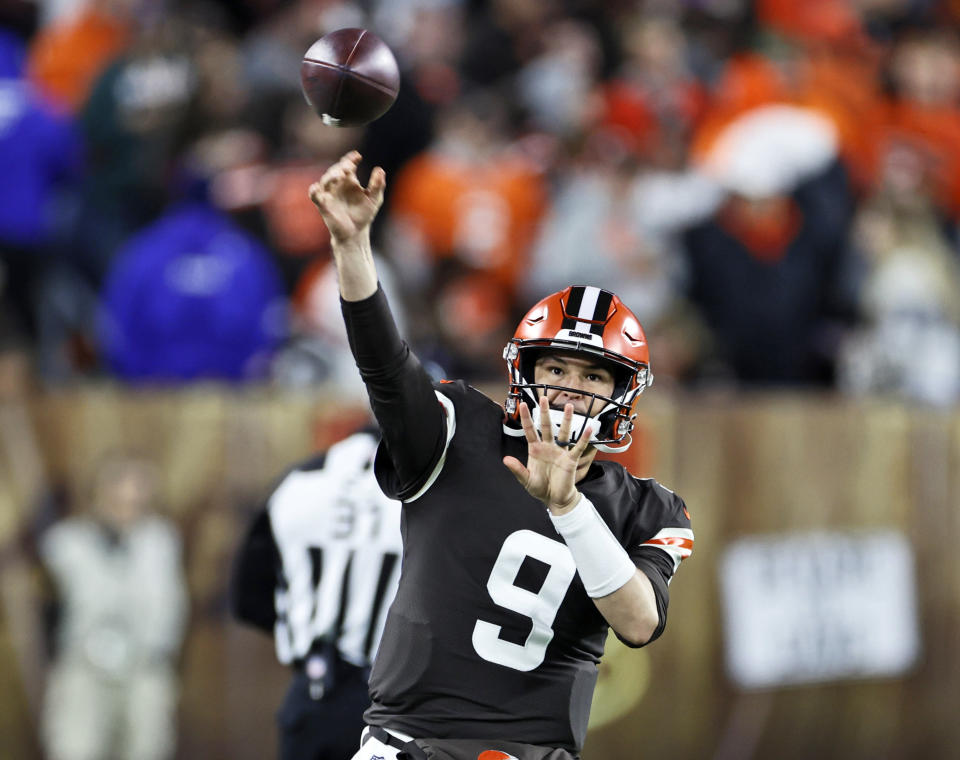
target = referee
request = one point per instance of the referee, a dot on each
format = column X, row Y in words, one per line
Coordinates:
column 318, row 569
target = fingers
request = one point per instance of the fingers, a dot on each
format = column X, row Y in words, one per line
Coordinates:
column 344, row 174
column 546, row 427
column 563, row 435
column 583, row 441
column 336, row 175
column 316, row 194
column 348, row 163
column 546, row 424
column 321, row 198
column 343, row 170
column 526, row 422
column 331, row 212
column 377, row 184
column 331, row 179
column 521, row 473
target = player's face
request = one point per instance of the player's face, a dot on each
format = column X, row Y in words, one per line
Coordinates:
column 579, row 375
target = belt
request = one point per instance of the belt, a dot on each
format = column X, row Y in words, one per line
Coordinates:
column 408, row 750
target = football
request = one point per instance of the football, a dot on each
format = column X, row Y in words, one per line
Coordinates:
column 349, row 77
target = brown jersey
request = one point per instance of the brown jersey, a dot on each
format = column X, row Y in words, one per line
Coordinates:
column 491, row 634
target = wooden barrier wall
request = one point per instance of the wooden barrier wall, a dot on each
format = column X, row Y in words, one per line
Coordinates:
column 745, row 466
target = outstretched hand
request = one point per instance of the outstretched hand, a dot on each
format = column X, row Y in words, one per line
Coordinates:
column 550, row 474
column 347, row 207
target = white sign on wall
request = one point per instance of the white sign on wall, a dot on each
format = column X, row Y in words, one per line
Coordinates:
column 812, row 607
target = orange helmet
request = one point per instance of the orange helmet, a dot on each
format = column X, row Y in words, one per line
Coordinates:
column 590, row 321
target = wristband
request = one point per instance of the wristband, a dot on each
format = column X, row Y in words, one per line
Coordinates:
column 603, row 564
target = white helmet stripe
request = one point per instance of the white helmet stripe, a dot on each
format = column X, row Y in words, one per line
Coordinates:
column 587, row 308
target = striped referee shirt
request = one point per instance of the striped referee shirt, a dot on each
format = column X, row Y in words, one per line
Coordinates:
column 330, row 541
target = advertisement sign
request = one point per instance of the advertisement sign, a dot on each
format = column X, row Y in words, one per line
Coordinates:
column 816, row 607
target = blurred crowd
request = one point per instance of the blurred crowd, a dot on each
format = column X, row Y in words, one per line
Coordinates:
column 772, row 186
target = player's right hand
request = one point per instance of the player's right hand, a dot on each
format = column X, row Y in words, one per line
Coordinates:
column 550, row 474
column 348, row 208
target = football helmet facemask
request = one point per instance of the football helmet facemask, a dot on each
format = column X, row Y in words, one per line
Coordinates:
column 595, row 323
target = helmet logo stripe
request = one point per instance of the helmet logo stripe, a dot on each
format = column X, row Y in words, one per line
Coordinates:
column 604, row 299
column 572, row 308
column 588, row 307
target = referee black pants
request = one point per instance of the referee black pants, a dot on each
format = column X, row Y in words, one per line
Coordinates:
column 327, row 728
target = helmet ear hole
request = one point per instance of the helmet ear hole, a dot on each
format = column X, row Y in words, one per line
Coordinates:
column 622, row 379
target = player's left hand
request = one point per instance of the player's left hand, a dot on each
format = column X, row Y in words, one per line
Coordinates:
column 551, row 470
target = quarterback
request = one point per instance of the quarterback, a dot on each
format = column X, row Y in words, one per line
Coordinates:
column 521, row 549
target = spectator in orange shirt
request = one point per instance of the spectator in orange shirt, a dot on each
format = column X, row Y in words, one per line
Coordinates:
column 471, row 197
column 654, row 101
column 67, row 56
column 815, row 57
column 925, row 110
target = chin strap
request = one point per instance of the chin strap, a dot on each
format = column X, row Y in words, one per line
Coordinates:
column 615, row 449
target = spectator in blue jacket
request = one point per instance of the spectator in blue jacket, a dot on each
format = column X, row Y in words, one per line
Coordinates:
column 40, row 153
column 192, row 296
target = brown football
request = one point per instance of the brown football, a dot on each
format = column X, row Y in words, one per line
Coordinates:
column 349, row 77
